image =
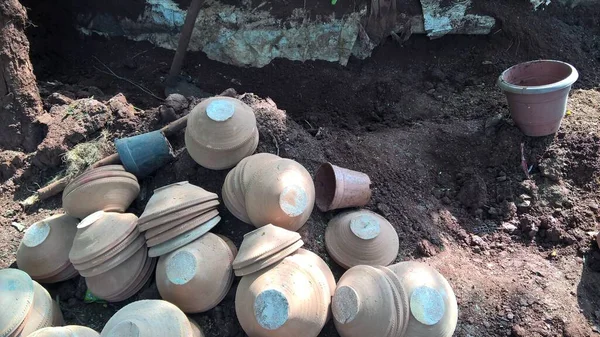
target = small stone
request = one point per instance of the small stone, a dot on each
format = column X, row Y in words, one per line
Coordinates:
column 476, row 240
column 383, row 208
column 510, row 316
column 59, row 99
column 176, row 101
column 508, row 227
column 167, row 114
column 426, row 248
column 18, row 226
column 491, row 123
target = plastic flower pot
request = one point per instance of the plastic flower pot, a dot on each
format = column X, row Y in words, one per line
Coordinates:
column 145, row 153
column 537, row 93
column 337, row 187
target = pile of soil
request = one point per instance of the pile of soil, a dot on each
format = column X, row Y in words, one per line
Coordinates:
column 423, row 119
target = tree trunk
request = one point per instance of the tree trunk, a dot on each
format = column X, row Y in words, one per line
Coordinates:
column 20, row 102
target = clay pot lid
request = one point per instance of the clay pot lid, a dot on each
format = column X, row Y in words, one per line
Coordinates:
column 287, row 299
column 174, row 197
column 171, row 229
column 263, row 242
column 180, row 216
column 361, row 304
column 221, row 123
column 65, row 331
column 122, row 276
column 100, row 232
column 196, row 329
column 137, row 284
column 269, row 260
column 95, row 174
column 109, row 194
column 45, row 246
column 198, row 221
column 115, row 260
column 183, row 239
column 16, row 298
column 318, row 262
column 196, row 276
column 361, row 237
column 148, row 318
column 432, row 303
column 283, row 194
column 41, row 314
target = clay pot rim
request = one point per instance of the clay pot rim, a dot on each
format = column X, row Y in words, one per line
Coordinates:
column 183, row 221
column 203, row 219
column 146, row 217
column 136, row 264
column 129, row 240
column 112, row 179
column 262, row 253
column 183, row 239
column 541, row 89
column 269, row 260
column 114, row 260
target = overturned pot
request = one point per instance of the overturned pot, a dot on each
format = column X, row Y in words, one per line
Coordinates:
column 537, row 93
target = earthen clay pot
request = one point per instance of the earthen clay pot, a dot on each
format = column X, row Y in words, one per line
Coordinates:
column 338, row 187
column 282, row 194
column 196, row 277
column 178, row 217
column 98, row 173
column 317, row 261
column 196, row 330
column 174, row 197
column 45, row 247
column 167, row 231
column 137, row 284
column 42, row 313
column 220, row 132
column 65, row 331
column 233, row 198
column 263, row 242
column 113, row 194
column 361, row 237
column 99, row 233
column 116, row 259
column 16, row 300
column 364, row 305
column 118, row 252
column 148, row 318
column 269, row 260
column 230, row 244
column 433, row 307
column 112, row 282
column 183, row 239
column 67, row 273
column 288, row 299
column 255, row 164
column 58, row 319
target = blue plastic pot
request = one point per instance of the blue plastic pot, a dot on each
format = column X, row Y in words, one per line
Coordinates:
column 145, row 153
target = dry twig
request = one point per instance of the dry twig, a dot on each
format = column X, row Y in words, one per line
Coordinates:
column 110, row 72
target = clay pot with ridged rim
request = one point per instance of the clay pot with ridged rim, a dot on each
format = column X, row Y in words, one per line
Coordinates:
column 16, row 298
column 220, row 132
column 148, row 318
column 44, row 250
column 65, row 331
column 361, row 238
column 291, row 298
column 42, row 313
column 183, row 239
column 178, row 217
column 432, row 303
column 166, row 232
column 318, row 262
column 262, row 243
column 197, row 276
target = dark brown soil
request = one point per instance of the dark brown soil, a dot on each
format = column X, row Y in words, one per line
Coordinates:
column 424, row 120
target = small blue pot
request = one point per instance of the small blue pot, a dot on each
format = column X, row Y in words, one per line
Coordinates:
column 145, row 153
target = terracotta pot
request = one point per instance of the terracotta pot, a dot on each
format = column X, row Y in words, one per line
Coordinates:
column 139, row 282
column 16, row 298
column 115, row 259
column 196, row 330
column 233, row 198
column 269, row 260
column 361, row 238
column 168, row 231
column 181, row 216
column 67, row 273
column 288, row 299
column 537, row 94
column 109, row 171
column 45, row 247
column 196, row 277
column 183, row 239
column 433, row 307
column 252, row 167
column 98, row 233
column 65, row 331
column 317, row 261
column 220, row 132
column 148, row 318
column 337, row 187
column 230, row 244
column 263, row 242
column 172, row 198
column 42, row 312
column 111, row 194
column 282, row 194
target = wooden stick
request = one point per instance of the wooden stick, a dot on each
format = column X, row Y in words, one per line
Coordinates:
column 184, row 38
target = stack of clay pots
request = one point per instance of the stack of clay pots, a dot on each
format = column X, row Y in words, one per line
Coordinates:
column 66, row 331
column 44, row 249
column 220, row 132
column 26, row 305
column 111, row 254
column 266, row 189
column 361, row 238
column 197, row 276
column 176, row 215
column 150, row 318
column 107, row 188
column 406, row 299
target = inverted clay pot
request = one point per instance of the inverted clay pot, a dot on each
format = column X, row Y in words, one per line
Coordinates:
column 196, row 277
column 196, row 329
column 148, row 318
column 137, row 284
column 145, row 153
column 178, row 217
column 65, row 331
column 361, row 237
column 42, row 312
column 168, row 231
column 432, row 303
column 44, row 249
column 317, row 261
column 115, row 259
column 289, row 299
column 537, row 93
column 337, row 187
column 98, row 174
column 269, row 260
column 220, row 132
column 16, row 298
column 183, row 239
column 263, row 242
column 282, row 194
